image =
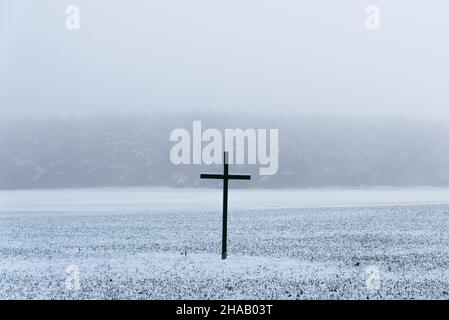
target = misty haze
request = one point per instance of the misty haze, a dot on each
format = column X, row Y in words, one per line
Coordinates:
column 133, row 150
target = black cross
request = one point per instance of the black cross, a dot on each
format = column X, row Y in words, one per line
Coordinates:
column 225, row 177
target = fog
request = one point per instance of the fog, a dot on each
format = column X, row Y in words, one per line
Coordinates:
column 261, row 56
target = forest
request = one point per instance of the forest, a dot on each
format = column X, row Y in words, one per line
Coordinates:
column 133, row 149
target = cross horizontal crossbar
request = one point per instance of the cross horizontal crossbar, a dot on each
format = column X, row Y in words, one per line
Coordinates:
column 228, row 176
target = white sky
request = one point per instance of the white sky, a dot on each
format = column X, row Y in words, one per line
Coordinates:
column 268, row 55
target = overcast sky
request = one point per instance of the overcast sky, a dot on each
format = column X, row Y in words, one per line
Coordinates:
column 288, row 55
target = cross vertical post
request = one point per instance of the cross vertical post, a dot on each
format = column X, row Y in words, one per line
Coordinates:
column 225, row 177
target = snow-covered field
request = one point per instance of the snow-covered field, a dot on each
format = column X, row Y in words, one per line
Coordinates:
column 292, row 244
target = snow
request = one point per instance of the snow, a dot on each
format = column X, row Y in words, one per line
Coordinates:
column 120, row 199
column 292, row 244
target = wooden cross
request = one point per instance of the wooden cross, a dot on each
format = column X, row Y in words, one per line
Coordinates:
column 225, row 177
